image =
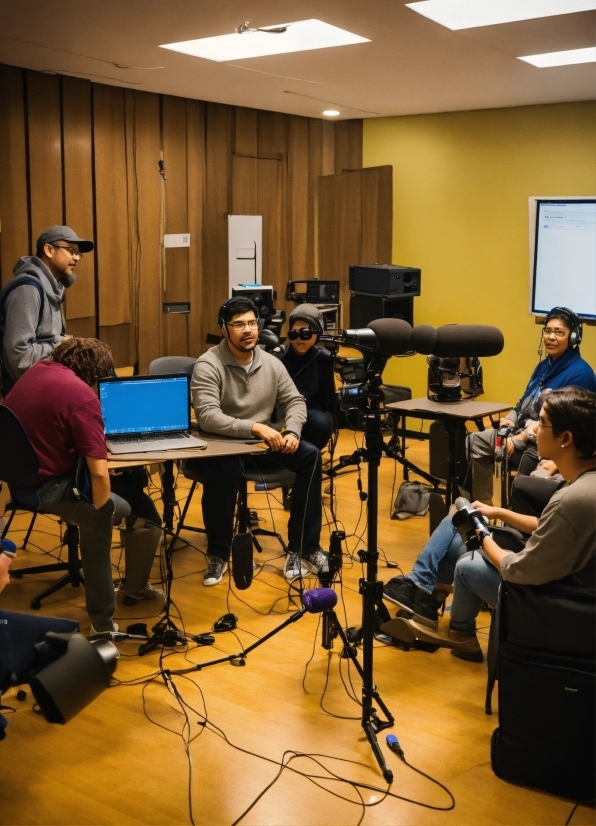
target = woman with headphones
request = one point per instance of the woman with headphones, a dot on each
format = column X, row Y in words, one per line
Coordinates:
column 562, row 367
column 311, row 370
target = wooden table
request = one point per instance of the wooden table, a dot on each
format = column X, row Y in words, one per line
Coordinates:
column 216, row 446
column 450, row 414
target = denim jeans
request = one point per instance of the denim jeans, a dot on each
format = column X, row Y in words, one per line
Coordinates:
column 476, row 581
column 437, row 561
column 221, row 477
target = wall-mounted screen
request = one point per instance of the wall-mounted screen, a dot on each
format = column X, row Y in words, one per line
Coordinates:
column 564, row 255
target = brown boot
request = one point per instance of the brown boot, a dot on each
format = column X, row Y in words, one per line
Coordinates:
column 467, row 646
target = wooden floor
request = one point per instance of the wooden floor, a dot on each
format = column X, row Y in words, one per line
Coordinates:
column 123, row 759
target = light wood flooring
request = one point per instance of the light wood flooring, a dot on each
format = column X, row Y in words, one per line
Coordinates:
column 123, row 759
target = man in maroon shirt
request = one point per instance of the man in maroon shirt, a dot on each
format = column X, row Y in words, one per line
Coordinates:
column 60, row 412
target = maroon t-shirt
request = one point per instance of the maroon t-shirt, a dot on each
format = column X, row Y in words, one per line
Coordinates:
column 61, row 416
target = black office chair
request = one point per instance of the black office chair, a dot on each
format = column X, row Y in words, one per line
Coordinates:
column 18, row 468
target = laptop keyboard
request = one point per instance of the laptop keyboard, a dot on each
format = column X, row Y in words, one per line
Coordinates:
column 147, row 437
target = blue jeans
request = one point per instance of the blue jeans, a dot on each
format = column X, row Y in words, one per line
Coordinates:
column 476, row 581
column 437, row 560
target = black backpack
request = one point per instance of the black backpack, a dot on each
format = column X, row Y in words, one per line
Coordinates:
column 6, row 381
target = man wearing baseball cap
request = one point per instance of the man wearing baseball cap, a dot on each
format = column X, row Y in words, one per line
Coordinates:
column 31, row 318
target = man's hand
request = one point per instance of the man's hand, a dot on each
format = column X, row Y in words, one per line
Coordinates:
column 291, row 443
column 507, row 423
column 546, row 466
column 100, row 481
column 274, row 439
column 487, row 510
column 511, row 446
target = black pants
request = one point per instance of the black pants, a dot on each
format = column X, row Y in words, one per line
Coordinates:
column 317, row 428
column 531, row 494
column 221, row 477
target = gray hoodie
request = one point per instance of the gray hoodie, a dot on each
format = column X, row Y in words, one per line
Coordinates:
column 228, row 400
column 26, row 337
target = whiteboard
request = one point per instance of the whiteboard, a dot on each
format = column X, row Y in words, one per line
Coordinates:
column 245, row 246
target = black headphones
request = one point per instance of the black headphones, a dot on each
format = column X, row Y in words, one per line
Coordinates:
column 572, row 320
column 220, row 313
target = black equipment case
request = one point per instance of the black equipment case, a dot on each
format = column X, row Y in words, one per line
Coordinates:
column 546, row 672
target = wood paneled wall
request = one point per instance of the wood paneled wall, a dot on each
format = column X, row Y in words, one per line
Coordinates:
column 355, row 222
column 87, row 155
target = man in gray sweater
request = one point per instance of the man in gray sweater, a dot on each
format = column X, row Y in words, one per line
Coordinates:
column 235, row 388
column 31, row 319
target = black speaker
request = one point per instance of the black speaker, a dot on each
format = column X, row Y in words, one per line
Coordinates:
column 263, row 297
column 385, row 279
column 366, row 308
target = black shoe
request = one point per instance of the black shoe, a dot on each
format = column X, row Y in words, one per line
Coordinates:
column 401, row 591
column 426, row 609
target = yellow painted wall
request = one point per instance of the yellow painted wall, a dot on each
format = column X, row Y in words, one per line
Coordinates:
column 461, row 183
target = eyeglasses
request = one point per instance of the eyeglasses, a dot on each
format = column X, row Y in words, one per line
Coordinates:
column 558, row 333
column 240, row 325
column 74, row 252
column 544, row 426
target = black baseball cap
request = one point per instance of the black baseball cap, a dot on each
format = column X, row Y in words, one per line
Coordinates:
column 56, row 233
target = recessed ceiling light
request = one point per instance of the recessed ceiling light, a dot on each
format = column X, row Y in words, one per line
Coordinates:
column 566, row 58
column 297, row 37
column 331, row 113
column 467, row 14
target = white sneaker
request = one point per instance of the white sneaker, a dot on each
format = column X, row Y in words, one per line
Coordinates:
column 97, row 634
column 148, row 592
column 294, row 566
column 216, row 568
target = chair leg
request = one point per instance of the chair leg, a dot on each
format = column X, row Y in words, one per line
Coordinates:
column 181, row 526
column 30, row 528
column 72, row 566
column 243, row 520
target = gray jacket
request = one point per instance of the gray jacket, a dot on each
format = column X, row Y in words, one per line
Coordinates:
column 26, row 337
column 228, row 400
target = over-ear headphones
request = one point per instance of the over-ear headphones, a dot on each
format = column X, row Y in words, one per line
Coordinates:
column 571, row 319
column 220, row 313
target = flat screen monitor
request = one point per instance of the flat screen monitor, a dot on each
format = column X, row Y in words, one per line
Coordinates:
column 564, row 268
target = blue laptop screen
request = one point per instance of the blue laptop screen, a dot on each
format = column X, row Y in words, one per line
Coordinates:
column 145, row 404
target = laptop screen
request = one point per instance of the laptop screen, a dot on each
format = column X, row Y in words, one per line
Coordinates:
column 145, row 404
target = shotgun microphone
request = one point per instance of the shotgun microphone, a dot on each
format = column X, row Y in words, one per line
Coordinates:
column 242, row 562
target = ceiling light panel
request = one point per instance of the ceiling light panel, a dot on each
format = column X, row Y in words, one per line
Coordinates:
column 469, row 14
column 569, row 57
column 301, row 36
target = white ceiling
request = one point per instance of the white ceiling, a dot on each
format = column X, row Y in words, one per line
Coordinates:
column 411, row 65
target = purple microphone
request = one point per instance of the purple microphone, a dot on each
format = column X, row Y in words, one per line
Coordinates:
column 319, row 599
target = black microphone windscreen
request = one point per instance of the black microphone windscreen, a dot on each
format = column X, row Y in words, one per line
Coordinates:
column 468, row 340
column 319, row 599
column 242, row 567
column 393, row 335
column 424, row 339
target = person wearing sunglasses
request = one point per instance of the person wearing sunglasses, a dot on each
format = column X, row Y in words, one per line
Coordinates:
column 31, row 318
column 562, row 367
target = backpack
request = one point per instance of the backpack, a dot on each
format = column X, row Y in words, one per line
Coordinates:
column 412, row 500
column 6, row 381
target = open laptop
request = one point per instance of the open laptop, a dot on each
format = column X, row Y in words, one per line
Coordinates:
column 147, row 413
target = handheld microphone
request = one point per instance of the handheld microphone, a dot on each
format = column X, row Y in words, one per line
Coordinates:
column 242, row 562
column 466, row 514
column 395, row 747
column 318, row 600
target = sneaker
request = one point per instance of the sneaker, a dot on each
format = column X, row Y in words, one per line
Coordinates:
column 148, row 592
column 401, row 591
column 468, row 647
column 295, row 566
column 216, row 568
column 316, row 562
column 95, row 634
column 426, row 609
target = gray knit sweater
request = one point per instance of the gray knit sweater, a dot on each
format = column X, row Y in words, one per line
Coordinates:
column 27, row 338
column 228, row 400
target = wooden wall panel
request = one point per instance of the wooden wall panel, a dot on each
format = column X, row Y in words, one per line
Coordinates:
column 14, row 216
column 45, row 151
column 195, row 139
column 377, row 214
column 348, row 145
column 78, row 189
column 217, row 209
column 315, row 170
column 175, row 327
column 111, row 204
column 143, row 147
column 300, row 241
column 270, row 205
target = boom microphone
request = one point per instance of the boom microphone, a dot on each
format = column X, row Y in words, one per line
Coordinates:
column 319, row 599
column 242, row 564
column 457, row 340
column 386, row 336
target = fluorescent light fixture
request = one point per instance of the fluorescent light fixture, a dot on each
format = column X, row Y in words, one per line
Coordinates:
column 331, row 113
column 467, row 14
column 566, row 58
column 301, row 36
